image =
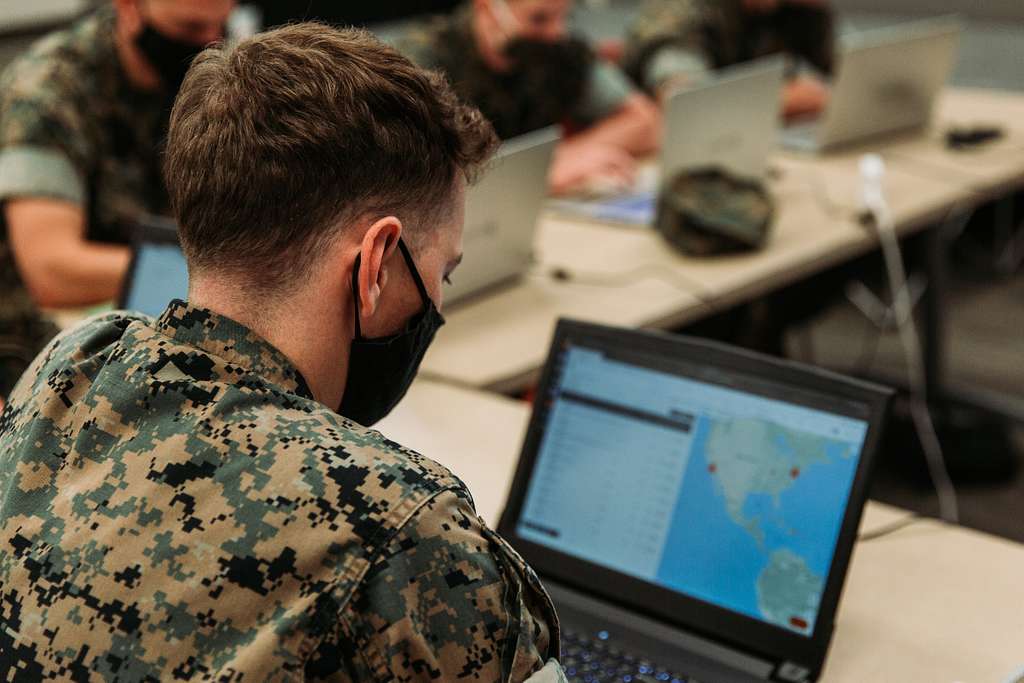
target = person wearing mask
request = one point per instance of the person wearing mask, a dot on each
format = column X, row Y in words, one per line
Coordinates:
column 517, row 62
column 82, row 114
column 198, row 495
column 676, row 43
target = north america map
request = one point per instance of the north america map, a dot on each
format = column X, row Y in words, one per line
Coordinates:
column 762, row 505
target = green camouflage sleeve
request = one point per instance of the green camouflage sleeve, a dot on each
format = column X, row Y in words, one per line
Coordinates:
column 665, row 40
column 44, row 146
column 419, row 43
column 448, row 600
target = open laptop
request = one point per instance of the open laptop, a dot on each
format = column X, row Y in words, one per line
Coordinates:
column 731, row 122
column 158, row 272
column 887, row 81
column 691, row 507
column 501, row 216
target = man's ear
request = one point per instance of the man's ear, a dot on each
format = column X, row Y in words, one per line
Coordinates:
column 375, row 252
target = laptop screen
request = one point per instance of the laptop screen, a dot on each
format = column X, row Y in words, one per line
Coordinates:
column 727, row 488
column 159, row 275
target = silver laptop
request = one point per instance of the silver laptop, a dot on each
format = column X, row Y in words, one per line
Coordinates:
column 691, row 507
column 731, row 123
column 887, row 82
column 501, row 216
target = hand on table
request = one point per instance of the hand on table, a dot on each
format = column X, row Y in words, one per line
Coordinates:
column 803, row 96
column 578, row 165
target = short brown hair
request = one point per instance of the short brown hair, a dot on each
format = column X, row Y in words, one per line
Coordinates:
column 275, row 142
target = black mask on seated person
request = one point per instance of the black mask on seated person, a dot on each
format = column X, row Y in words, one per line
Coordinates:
column 552, row 77
column 381, row 370
column 170, row 57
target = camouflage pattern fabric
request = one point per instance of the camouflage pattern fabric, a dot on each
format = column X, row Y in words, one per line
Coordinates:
column 175, row 505
column 721, row 33
column 577, row 89
column 23, row 332
column 709, row 211
column 73, row 129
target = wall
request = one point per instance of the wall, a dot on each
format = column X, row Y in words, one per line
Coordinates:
column 981, row 9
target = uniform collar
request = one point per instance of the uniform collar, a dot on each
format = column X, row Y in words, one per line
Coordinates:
column 232, row 341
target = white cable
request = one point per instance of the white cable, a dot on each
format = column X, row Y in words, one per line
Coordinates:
column 872, row 169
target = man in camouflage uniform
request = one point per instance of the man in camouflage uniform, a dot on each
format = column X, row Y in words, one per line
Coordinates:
column 679, row 42
column 179, row 497
column 515, row 61
column 81, row 117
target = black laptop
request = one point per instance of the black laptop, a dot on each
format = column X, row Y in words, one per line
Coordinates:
column 158, row 272
column 691, row 507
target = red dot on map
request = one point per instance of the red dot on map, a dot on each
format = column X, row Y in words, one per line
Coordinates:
column 712, row 468
column 798, row 623
column 795, row 472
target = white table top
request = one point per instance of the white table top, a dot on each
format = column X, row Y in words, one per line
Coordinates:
column 927, row 603
column 499, row 342
column 991, row 169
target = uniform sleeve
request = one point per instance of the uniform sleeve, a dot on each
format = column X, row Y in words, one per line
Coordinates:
column 44, row 150
column 449, row 600
column 607, row 90
column 664, row 41
column 418, row 44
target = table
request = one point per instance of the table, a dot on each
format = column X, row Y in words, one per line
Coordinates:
column 499, row 343
column 990, row 170
column 927, row 603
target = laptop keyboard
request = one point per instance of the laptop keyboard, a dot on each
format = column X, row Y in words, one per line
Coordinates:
column 595, row 659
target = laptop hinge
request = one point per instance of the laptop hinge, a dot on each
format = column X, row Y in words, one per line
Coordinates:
column 755, row 668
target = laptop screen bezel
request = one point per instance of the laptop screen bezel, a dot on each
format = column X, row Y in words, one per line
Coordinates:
column 721, row 624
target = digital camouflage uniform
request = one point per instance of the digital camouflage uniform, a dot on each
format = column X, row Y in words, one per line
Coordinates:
column 512, row 104
column 695, row 37
column 73, row 129
column 174, row 504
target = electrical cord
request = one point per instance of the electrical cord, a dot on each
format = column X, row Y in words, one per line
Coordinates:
column 655, row 271
column 873, row 171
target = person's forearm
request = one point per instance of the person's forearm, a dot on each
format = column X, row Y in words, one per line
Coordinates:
column 58, row 266
column 635, row 128
column 81, row 274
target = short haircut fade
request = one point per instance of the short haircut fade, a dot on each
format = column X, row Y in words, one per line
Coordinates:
column 276, row 141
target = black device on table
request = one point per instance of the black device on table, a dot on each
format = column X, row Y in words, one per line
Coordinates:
column 691, row 507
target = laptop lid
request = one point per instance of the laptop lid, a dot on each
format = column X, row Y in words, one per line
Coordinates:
column 733, row 122
column 888, row 79
column 501, row 215
column 157, row 273
column 711, row 488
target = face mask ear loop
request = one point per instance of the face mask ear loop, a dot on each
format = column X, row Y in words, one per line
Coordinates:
column 414, row 272
column 355, row 294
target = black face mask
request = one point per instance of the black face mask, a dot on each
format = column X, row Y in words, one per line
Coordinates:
column 381, row 370
column 169, row 56
column 551, row 76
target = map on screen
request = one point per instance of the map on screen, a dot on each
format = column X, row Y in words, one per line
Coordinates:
column 729, row 497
